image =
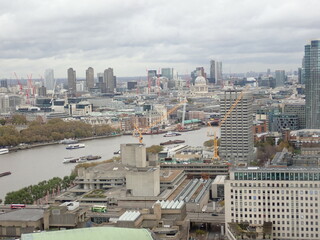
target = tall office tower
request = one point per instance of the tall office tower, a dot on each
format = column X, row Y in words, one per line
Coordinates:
column 280, row 77
column 90, row 78
column 268, row 72
column 72, row 85
column 215, row 72
column 312, row 81
column 236, row 145
column 109, row 80
column 4, row 83
column 49, row 79
column 212, row 71
column 219, row 73
column 167, row 72
column 300, row 75
column 100, row 77
column 286, row 198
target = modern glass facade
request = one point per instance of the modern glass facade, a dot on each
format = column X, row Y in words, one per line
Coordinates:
column 312, row 81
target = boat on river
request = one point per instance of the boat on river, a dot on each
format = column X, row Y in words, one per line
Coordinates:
column 75, row 146
column 70, row 160
column 172, row 134
column 81, row 159
column 5, row 174
column 4, row 150
column 172, row 142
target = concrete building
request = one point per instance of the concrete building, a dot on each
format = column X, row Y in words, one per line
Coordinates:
column 109, row 80
column 280, row 77
column 288, row 197
column 72, row 84
column 90, row 78
column 312, row 81
column 17, row 222
column 49, row 79
column 236, row 144
column 80, row 109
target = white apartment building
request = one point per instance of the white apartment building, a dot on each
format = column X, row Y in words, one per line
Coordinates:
column 286, row 197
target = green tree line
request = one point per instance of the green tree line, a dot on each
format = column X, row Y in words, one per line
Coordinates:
column 30, row 194
column 53, row 130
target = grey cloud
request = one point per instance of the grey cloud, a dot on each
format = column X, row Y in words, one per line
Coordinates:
column 167, row 33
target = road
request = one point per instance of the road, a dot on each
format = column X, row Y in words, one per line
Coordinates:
column 206, row 218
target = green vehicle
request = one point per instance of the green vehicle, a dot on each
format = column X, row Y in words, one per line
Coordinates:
column 99, row 208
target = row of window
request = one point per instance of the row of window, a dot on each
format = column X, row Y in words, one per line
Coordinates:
column 283, row 210
column 281, row 185
column 279, row 176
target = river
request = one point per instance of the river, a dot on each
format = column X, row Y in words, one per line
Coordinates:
column 33, row 165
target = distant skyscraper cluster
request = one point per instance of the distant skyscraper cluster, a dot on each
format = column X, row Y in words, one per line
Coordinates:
column 311, row 74
column 106, row 81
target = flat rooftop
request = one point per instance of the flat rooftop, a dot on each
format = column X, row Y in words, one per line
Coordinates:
column 169, row 175
column 23, row 215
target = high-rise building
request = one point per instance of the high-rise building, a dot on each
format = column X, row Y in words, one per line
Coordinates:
column 215, row 72
column 90, row 78
column 297, row 108
column 312, row 81
column 219, row 72
column 236, row 145
column 286, row 197
column 268, row 72
column 167, row 72
column 72, row 85
column 4, row 83
column 109, row 80
column 280, row 77
column 49, row 79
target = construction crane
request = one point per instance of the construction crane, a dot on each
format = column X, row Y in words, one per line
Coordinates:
column 138, row 133
column 20, row 85
column 215, row 140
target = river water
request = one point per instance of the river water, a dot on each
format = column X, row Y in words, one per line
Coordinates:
column 31, row 166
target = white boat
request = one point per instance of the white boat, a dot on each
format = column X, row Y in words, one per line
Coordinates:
column 4, row 150
column 172, row 134
column 70, row 160
column 75, row 146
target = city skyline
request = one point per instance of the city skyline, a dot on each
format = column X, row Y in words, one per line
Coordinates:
column 134, row 36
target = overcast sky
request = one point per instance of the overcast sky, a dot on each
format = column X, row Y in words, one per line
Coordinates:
column 134, row 35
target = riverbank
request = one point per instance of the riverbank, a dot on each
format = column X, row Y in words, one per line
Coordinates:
column 35, row 145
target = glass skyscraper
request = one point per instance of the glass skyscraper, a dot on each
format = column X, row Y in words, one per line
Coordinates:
column 312, row 81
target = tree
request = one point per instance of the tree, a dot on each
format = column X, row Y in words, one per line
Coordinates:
column 154, row 149
column 19, row 119
column 208, row 143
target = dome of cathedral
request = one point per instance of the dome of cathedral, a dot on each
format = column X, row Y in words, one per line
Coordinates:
column 200, row 81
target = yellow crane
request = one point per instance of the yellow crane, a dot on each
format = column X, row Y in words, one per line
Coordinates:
column 138, row 133
column 215, row 140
